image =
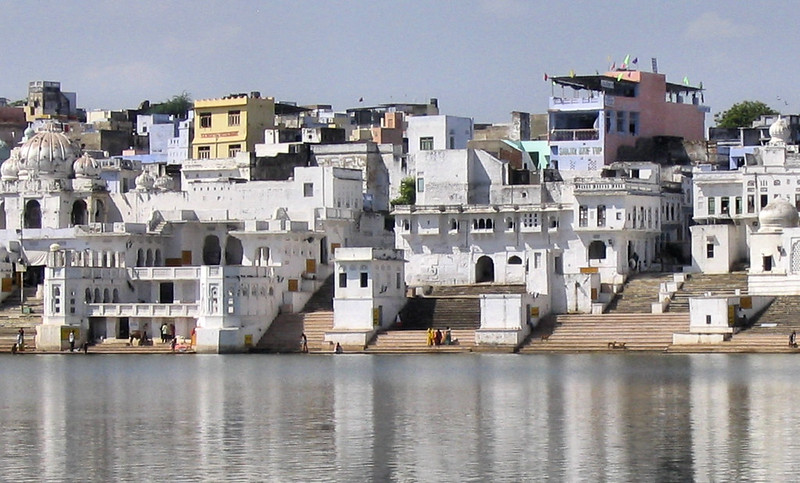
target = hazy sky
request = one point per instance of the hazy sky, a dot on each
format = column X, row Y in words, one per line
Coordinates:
column 480, row 58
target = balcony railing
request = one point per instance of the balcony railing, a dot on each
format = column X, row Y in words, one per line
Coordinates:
column 143, row 310
column 574, row 135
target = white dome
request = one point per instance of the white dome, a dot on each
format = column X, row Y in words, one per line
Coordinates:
column 9, row 170
column 779, row 132
column 144, row 182
column 86, row 167
column 48, row 154
column 779, row 213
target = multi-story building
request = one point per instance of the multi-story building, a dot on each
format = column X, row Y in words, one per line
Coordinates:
column 599, row 119
column 47, row 101
column 232, row 124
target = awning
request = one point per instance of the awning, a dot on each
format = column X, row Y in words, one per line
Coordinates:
column 34, row 258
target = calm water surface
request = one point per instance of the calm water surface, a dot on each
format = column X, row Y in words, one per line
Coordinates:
column 400, row 418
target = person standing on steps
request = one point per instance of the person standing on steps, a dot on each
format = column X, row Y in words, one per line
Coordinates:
column 793, row 339
column 71, row 339
column 303, row 343
column 21, row 339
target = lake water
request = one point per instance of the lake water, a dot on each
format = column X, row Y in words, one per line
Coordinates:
column 626, row 417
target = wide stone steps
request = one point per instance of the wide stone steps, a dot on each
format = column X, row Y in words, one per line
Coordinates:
column 638, row 294
column 440, row 313
column 409, row 341
column 698, row 284
column 475, row 290
column 784, row 311
column 743, row 342
column 638, row 332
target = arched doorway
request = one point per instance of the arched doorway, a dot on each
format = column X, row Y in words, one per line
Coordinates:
column 233, row 251
column 212, row 253
column 99, row 212
column 484, row 270
column 33, row 214
column 79, row 213
column 597, row 250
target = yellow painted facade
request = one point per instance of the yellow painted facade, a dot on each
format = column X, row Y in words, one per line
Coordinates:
column 223, row 127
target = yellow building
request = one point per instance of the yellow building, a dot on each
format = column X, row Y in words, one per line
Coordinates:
column 224, row 127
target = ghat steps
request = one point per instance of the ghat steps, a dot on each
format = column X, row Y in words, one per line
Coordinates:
column 784, row 311
column 12, row 319
column 747, row 341
column 415, row 341
column 698, row 284
column 638, row 294
column 638, row 332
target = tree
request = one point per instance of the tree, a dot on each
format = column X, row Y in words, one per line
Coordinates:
column 742, row 114
column 179, row 106
column 408, row 193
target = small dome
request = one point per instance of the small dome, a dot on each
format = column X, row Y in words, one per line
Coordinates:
column 779, row 213
column 779, row 132
column 28, row 133
column 86, row 167
column 144, row 182
column 48, row 154
column 9, row 170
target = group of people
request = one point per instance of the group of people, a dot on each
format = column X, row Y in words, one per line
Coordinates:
column 438, row 337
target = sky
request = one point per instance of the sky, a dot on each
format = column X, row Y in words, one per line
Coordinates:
column 481, row 58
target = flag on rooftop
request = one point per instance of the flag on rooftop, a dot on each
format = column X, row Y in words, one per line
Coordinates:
column 635, row 60
column 545, row 77
column 572, row 72
column 686, row 80
column 619, row 76
column 627, row 60
column 613, row 66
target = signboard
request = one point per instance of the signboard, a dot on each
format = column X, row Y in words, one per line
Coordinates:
column 248, row 340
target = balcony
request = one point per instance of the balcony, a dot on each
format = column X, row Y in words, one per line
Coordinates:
column 613, row 186
column 165, row 273
column 574, row 135
column 143, row 310
column 574, row 103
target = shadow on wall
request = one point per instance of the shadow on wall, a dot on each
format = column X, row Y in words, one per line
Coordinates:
column 665, row 150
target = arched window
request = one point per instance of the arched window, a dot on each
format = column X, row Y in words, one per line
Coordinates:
column 115, row 296
column 597, row 250
column 140, row 258
column 97, row 298
column 233, row 251
column 481, row 224
column 33, row 214
column 88, row 295
column 484, row 270
column 212, row 253
column 79, row 213
column 158, row 261
column 148, row 262
column 489, row 224
column 515, row 260
column 106, row 296
column 453, row 224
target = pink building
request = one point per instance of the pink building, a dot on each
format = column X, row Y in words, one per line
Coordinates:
column 597, row 114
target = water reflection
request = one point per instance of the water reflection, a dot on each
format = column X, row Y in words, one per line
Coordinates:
column 399, row 418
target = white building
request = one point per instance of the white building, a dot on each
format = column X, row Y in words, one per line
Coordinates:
column 221, row 256
column 427, row 133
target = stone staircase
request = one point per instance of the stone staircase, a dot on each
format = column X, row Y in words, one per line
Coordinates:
column 415, row 341
column 440, row 313
column 284, row 334
column 699, row 283
column 475, row 290
column 638, row 293
column 746, row 341
column 784, row 311
column 121, row 346
column 581, row 333
column 12, row 318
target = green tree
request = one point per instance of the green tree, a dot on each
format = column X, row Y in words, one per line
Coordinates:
column 742, row 114
column 179, row 106
column 18, row 103
column 408, row 193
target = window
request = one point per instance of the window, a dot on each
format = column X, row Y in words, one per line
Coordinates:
column 725, row 203
column 308, row 190
column 204, row 152
column 420, row 185
column 583, row 215
column 764, row 201
column 363, row 279
column 709, row 250
column 342, row 280
column 620, row 122
column 233, row 149
column 205, row 119
column 452, row 143
column 601, row 215
column 738, row 205
column 234, row 118
column 515, row 260
column 426, row 144
column 609, row 120
column 537, row 260
column 597, row 250
column 558, row 265
column 751, row 203
column 633, row 124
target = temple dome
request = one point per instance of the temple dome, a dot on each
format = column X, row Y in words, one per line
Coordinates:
column 144, row 182
column 48, row 154
column 86, row 167
column 779, row 213
column 9, row 170
column 164, row 183
column 779, row 132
